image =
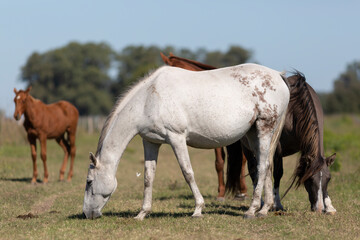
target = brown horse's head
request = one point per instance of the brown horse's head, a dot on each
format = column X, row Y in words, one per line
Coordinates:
column 20, row 102
column 184, row 63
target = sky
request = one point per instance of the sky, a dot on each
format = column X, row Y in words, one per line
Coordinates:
column 319, row 38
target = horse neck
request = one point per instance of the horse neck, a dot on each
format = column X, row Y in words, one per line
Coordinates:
column 116, row 141
column 120, row 127
column 30, row 105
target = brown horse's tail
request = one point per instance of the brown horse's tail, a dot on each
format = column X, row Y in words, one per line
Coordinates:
column 234, row 152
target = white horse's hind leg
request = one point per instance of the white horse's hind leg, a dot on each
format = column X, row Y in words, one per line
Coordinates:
column 178, row 143
column 263, row 142
column 268, row 195
column 262, row 168
column 269, row 199
column 151, row 152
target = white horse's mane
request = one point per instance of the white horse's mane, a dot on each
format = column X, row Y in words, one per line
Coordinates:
column 120, row 103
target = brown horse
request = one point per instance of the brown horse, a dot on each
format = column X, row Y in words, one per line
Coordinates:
column 44, row 122
column 303, row 131
column 192, row 65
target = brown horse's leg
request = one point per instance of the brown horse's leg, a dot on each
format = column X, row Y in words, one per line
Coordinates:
column 32, row 141
column 219, row 166
column 43, row 157
column 243, row 188
column 65, row 146
column 71, row 135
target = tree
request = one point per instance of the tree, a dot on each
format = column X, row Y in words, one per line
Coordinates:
column 136, row 61
column 80, row 73
column 234, row 56
column 346, row 95
column 77, row 73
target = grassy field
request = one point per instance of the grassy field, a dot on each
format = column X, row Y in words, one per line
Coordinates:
column 54, row 210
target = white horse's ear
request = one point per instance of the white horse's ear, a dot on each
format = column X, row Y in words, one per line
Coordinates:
column 93, row 159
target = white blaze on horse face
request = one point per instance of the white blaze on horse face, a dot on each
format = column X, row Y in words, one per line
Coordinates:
column 320, row 200
column 18, row 97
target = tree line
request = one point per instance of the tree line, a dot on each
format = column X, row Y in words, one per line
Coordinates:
column 93, row 75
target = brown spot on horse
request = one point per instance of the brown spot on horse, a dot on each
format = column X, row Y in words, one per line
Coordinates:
column 260, row 94
column 267, row 83
column 237, row 76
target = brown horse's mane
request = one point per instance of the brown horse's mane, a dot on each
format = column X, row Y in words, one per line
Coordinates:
column 306, row 122
column 172, row 57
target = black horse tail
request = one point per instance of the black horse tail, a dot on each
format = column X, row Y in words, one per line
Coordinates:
column 234, row 152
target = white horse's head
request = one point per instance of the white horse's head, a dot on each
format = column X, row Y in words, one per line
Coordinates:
column 100, row 185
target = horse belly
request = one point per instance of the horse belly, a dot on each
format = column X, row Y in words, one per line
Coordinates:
column 220, row 128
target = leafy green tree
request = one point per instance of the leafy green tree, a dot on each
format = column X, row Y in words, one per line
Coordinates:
column 78, row 73
column 234, row 56
column 136, row 61
column 346, row 95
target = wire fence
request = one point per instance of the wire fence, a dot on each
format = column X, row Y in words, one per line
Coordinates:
column 13, row 132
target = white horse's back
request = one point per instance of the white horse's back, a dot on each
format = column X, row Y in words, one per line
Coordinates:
column 212, row 108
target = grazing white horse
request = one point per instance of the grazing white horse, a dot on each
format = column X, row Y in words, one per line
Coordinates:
column 206, row 109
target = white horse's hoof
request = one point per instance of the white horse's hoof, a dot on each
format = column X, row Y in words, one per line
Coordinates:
column 197, row 216
column 249, row 216
column 261, row 215
column 141, row 216
column 332, row 213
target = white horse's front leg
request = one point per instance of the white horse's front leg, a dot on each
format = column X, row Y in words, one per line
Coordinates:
column 178, row 143
column 151, row 151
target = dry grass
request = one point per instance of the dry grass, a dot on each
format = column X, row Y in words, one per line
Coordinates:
column 54, row 210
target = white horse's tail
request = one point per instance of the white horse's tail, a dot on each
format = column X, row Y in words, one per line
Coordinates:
column 276, row 136
column 283, row 76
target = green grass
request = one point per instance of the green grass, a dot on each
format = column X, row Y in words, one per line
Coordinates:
column 58, row 205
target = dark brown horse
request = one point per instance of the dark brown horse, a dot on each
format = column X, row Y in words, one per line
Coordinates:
column 44, row 122
column 303, row 131
column 192, row 65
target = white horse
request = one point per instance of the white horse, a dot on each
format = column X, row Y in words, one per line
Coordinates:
column 206, row 109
